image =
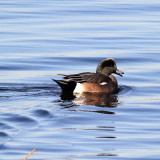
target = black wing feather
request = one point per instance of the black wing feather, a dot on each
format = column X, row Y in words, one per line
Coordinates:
column 87, row 77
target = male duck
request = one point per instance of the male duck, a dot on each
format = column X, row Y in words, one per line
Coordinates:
column 100, row 82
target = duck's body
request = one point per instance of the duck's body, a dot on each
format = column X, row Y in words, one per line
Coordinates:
column 109, row 86
column 100, row 82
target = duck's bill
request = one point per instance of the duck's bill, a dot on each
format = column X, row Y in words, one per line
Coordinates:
column 120, row 73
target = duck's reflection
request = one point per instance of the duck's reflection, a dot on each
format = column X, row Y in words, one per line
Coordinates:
column 103, row 129
column 98, row 99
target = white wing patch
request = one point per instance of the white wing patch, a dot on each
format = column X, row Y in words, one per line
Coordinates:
column 103, row 83
column 79, row 88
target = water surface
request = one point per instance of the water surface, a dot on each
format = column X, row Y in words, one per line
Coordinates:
column 42, row 39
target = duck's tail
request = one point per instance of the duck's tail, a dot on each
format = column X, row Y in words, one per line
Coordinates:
column 66, row 86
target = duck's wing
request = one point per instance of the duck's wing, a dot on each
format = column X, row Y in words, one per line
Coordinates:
column 87, row 77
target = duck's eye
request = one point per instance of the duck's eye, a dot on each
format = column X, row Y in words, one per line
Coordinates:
column 109, row 63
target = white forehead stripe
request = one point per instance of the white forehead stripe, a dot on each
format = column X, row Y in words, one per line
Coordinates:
column 103, row 83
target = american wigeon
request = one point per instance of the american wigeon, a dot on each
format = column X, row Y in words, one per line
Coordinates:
column 100, row 82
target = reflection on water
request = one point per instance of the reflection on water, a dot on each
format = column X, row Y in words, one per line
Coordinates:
column 40, row 39
column 97, row 99
column 103, row 100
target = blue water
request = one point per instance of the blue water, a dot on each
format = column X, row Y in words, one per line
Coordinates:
column 40, row 39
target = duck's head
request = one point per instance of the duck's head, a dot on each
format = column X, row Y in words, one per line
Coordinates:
column 107, row 67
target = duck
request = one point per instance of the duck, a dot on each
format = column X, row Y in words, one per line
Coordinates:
column 102, row 81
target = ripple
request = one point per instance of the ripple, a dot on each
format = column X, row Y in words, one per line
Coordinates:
column 39, row 40
column 5, row 126
column 2, row 146
column 3, row 135
column 42, row 113
column 66, row 104
column 107, row 137
column 16, row 90
column 126, row 89
column 20, row 120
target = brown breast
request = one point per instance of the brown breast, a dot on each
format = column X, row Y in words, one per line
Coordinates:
column 110, row 87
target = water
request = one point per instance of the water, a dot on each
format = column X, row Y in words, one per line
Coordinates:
column 40, row 39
